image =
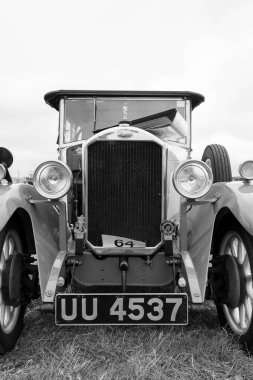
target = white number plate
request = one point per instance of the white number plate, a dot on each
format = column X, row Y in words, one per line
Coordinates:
column 122, row 309
column 110, row 241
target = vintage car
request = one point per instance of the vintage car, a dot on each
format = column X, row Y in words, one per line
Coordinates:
column 126, row 227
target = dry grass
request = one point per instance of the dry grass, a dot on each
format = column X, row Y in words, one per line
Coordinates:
column 198, row 351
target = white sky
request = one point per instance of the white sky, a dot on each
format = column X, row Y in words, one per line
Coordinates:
column 192, row 45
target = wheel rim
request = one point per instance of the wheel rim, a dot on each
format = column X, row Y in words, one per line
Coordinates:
column 239, row 318
column 8, row 314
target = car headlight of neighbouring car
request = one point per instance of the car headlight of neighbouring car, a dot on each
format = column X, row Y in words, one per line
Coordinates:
column 2, row 172
column 193, row 179
column 246, row 170
column 53, row 179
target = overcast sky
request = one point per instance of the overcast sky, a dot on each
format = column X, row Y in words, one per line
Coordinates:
column 192, row 45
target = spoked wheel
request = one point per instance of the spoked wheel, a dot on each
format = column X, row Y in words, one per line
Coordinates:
column 235, row 296
column 11, row 306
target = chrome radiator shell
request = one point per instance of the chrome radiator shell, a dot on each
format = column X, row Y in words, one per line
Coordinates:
column 124, row 190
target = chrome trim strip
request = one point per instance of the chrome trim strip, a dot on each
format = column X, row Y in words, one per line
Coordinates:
column 165, row 185
column 85, row 185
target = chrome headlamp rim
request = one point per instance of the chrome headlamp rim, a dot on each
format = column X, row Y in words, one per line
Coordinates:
column 240, row 170
column 41, row 189
column 200, row 164
column 2, row 172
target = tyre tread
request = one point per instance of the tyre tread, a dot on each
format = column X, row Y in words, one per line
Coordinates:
column 220, row 161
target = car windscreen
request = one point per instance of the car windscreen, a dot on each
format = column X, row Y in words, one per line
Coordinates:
column 83, row 116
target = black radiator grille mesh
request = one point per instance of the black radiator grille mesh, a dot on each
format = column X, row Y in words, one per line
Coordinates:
column 124, row 191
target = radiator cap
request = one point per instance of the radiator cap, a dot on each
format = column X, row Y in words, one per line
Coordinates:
column 125, row 133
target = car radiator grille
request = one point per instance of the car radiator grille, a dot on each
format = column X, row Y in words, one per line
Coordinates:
column 124, row 191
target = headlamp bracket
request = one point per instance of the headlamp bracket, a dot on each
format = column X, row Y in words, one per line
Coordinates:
column 198, row 202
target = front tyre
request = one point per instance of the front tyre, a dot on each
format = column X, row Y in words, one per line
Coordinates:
column 12, row 307
column 234, row 307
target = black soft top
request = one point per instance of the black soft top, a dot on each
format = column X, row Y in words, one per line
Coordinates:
column 53, row 98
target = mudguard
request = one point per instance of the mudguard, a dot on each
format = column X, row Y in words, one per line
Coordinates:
column 44, row 219
column 235, row 196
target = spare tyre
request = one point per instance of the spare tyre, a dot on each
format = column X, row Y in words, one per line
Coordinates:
column 216, row 156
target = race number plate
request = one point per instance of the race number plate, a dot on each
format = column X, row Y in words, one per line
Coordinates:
column 121, row 242
column 121, row 309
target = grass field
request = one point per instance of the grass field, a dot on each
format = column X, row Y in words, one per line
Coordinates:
column 197, row 351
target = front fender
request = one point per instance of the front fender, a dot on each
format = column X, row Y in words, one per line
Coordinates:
column 237, row 197
column 44, row 219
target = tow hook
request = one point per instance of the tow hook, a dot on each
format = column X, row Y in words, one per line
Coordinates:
column 123, row 266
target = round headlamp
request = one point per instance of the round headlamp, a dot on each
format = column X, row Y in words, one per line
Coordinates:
column 193, row 179
column 2, row 172
column 246, row 170
column 52, row 179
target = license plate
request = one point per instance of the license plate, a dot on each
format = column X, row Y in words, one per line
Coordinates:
column 121, row 309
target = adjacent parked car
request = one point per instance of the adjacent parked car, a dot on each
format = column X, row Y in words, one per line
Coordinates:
column 126, row 227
